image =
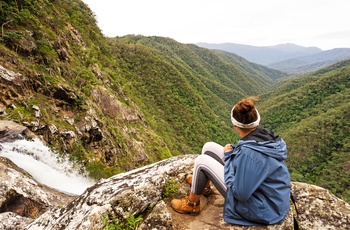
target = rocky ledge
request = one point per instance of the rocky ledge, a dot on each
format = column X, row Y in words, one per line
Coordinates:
column 138, row 196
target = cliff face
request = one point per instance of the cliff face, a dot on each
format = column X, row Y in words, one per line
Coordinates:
column 140, row 195
column 77, row 131
column 57, row 78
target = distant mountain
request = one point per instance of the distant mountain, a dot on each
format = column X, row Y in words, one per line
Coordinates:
column 264, row 55
column 289, row 58
column 312, row 62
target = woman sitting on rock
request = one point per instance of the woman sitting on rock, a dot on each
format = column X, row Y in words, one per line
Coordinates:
column 252, row 176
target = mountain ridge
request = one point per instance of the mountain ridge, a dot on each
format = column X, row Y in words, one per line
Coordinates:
column 289, row 58
column 264, row 55
column 312, row 62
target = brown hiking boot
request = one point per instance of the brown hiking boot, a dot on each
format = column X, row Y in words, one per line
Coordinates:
column 185, row 206
column 189, row 179
column 207, row 189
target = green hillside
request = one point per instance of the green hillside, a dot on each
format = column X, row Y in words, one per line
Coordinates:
column 186, row 91
column 312, row 113
column 128, row 101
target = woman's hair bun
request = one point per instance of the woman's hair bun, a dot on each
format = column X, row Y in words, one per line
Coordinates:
column 244, row 111
column 246, row 105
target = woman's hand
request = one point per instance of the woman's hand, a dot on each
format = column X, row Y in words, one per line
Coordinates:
column 228, row 148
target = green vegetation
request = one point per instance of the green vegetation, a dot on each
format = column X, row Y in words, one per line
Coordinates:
column 135, row 100
column 189, row 90
column 19, row 113
column 171, row 187
column 130, row 223
column 311, row 112
column 98, row 170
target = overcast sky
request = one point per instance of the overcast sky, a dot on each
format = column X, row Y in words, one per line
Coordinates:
column 321, row 23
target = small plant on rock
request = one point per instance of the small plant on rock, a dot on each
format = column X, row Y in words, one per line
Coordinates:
column 171, row 187
column 130, row 223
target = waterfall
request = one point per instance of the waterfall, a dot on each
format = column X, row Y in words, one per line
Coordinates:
column 45, row 166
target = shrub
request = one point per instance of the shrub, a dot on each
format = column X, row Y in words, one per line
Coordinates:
column 171, row 187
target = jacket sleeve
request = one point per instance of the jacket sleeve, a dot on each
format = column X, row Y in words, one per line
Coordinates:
column 244, row 174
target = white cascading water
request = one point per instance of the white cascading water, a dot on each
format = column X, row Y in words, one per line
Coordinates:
column 45, row 166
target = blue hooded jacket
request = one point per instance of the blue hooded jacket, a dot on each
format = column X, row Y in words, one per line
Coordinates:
column 257, row 179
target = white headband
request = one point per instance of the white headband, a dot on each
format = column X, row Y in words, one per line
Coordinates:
column 245, row 126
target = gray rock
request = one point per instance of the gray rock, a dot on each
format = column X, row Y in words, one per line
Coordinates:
column 159, row 218
column 8, row 74
column 12, row 221
column 53, row 129
column 317, row 208
column 118, row 197
column 11, row 131
column 22, row 199
column 37, row 112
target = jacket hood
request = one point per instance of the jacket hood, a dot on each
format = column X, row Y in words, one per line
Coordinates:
column 273, row 148
column 266, row 142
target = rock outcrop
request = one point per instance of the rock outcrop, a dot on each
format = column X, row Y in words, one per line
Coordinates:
column 22, row 199
column 120, row 197
column 139, row 193
column 139, row 196
column 10, row 131
column 87, row 128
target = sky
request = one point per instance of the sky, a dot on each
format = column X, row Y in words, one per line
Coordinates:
column 321, row 23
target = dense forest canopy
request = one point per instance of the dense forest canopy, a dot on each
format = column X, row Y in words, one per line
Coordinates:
column 311, row 112
column 152, row 98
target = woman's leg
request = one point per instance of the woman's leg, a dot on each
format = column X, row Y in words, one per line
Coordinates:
column 214, row 150
column 209, row 166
